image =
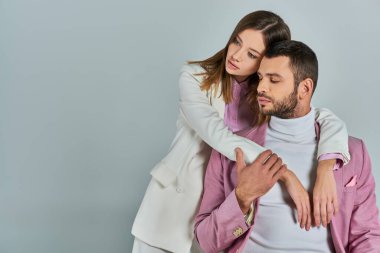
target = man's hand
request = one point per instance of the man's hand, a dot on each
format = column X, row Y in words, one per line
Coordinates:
column 258, row 178
column 300, row 197
column 325, row 200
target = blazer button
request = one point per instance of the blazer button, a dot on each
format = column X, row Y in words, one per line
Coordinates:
column 179, row 189
column 238, row 232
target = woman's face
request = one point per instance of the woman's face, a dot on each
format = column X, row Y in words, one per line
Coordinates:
column 244, row 54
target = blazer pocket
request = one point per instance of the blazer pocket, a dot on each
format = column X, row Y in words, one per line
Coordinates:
column 350, row 186
column 163, row 174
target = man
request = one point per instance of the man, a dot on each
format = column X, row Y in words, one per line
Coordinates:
column 233, row 191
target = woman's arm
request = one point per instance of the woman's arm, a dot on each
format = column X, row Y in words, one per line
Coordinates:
column 332, row 151
column 333, row 134
column 206, row 121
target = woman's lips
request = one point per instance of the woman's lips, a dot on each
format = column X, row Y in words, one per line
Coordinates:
column 231, row 65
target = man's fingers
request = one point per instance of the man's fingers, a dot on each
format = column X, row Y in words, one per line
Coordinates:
column 275, row 167
column 279, row 172
column 263, row 157
column 271, row 161
column 240, row 164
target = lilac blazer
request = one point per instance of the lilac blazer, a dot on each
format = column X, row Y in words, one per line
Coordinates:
column 220, row 224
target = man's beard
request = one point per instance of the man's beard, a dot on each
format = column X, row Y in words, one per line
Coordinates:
column 284, row 109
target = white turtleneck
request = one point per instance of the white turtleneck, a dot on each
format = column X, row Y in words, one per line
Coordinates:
column 276, row 228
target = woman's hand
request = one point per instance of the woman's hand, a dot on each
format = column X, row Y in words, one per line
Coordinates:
column 325, row 200
column 300, row 197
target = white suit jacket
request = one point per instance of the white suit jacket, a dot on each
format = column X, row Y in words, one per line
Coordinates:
column 166, row 216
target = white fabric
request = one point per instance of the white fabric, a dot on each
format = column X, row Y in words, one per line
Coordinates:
column 142, row 247
column 276, row 228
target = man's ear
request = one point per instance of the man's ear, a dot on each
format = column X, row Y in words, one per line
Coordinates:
column 305, row 88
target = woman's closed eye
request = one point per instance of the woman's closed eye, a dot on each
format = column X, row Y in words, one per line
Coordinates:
column 236, row 41
column 252, row 56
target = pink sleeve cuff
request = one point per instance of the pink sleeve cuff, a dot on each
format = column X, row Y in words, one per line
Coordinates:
column 337, row 156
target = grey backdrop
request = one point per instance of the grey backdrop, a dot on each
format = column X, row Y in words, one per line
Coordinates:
column 88, row 102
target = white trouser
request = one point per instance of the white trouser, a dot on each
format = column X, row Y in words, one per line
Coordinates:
column 142, row 247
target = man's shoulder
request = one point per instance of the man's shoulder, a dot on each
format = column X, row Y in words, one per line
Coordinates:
column 358, row 153
column 355, row 145
column 354, row 140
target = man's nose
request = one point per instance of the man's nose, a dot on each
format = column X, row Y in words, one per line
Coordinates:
column 263, row 86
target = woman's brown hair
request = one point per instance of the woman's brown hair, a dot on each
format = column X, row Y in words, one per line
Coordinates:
column 273, row 29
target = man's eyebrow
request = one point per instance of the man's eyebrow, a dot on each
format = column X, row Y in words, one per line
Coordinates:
column 273, row 75
column 257, row 52
column 270, row 74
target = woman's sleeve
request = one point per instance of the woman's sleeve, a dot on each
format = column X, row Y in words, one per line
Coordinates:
column 206, row 122
column 333, row 134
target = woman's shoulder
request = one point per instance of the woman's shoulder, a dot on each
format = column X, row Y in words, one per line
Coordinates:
column 193, row 69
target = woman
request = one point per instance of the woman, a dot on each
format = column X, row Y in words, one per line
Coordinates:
column 214, row 103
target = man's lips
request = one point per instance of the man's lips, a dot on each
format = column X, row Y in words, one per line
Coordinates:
column 231, row 65
column 263, row 100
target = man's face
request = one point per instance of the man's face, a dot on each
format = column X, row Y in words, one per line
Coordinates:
column 277, row 92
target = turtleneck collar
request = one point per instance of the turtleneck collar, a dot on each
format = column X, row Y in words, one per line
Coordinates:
column 294, row 130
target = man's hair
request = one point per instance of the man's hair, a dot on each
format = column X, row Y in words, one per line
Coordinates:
column 302, row 59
